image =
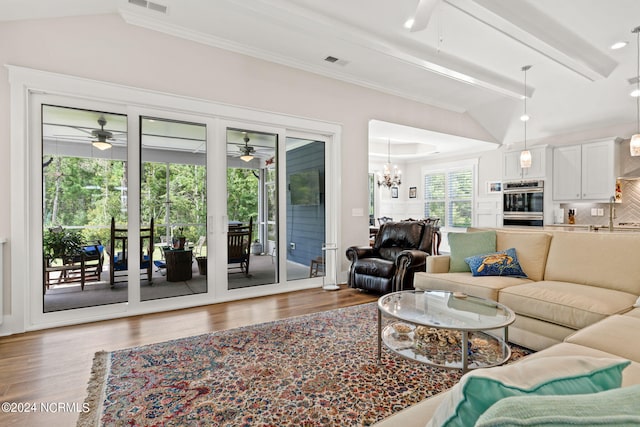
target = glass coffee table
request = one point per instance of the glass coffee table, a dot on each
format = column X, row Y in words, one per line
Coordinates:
column 445, row 329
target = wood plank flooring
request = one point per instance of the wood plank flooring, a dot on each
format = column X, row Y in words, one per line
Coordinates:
column 54, row 365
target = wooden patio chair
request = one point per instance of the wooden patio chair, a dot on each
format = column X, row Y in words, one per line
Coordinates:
column 239, row 246
column 118, row 257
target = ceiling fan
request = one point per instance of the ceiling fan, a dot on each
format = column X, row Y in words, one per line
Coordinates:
column 102, row 136
column 247, row 151
column 423, row 14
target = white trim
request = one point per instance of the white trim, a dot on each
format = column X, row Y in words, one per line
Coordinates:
column 26, row 283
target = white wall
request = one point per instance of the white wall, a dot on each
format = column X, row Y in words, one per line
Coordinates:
column 105, row 48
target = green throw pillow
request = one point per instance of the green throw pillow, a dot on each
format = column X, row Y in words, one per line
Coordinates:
column 464, row 245
column 555, row 375
column 618, row 407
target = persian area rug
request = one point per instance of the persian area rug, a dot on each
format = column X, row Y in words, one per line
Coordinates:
column 314, row 370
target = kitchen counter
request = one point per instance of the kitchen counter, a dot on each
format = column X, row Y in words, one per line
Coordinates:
column 593, row 227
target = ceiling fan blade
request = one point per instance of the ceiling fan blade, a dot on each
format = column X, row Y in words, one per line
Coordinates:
column 424, row 11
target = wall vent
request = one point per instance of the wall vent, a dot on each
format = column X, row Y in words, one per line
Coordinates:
column 149, row 5
column 335, row 60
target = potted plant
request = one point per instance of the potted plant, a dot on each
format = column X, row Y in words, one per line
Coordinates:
column 179, row 239
column 59, row 243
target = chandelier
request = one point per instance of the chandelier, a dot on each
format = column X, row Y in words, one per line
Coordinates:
column 386, row 178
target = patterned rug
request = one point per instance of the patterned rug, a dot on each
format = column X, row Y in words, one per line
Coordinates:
column 313, row 370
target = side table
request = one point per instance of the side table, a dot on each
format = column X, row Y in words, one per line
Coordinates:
column 178, row 264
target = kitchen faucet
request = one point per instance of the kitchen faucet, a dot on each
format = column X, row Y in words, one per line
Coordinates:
column 612, row 211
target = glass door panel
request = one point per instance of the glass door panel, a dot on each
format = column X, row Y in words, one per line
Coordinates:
column 252, row 208
column 173, row 206
column 84, row 187
column 306, row 208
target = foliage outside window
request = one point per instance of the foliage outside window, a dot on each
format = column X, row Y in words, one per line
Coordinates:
column 449, row 196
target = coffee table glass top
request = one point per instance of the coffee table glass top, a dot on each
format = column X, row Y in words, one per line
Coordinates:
column 446, row 310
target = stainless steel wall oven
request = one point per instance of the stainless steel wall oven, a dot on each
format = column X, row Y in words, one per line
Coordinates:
column 523, row 203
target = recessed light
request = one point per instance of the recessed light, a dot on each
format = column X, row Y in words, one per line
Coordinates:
column 635, row 93
column 525, row 117
column 409, row 23
column 618, row 45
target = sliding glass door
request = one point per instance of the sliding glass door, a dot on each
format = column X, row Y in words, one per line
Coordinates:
column 173, row 207
column 125, row 217
column 84, row 189
column 252, row 208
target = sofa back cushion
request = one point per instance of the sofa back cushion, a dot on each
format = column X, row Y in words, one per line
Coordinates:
column 532, row 248
column 394, row 237
column 464, row 245
column 606, row 260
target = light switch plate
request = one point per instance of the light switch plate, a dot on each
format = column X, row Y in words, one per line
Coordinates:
column 600, row 212
column 594, row 211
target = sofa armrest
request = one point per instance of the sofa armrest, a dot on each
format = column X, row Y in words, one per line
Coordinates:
column 356, row 252
column 438, row 264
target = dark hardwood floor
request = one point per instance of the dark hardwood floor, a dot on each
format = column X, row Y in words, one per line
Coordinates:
column 53, row 365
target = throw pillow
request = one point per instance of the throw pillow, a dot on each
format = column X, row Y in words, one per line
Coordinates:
column 558, row 375
column 502, row 263
column 463, row 245
column 617, row 407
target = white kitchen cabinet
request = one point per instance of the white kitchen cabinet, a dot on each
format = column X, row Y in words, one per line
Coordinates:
column 586, row 171
column 511, row 170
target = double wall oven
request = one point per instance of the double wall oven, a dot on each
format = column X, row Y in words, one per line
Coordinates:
column 523, row 203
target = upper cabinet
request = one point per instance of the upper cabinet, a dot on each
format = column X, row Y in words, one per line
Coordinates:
column 511, row 170
column 585, row 171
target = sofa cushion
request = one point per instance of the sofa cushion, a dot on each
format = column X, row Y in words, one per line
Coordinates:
column 501, row 263
column 568, row 304
column 617, row 407
column 616, row 334
column 633, row 313
column 595, row 259
column 532, row 249
column 479, row 389
column 479, row 286
column 463, row 245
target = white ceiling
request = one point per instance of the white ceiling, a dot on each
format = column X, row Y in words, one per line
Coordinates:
column 468, row 59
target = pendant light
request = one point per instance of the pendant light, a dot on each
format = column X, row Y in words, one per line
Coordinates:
column 634, row 145
column 525, row 155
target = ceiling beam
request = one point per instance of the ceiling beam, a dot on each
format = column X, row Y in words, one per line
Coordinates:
column 531, row 27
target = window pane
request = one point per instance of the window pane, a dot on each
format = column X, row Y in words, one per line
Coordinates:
column 460, row 184
column 460, row 213
column 434, row 187
column 434, row 210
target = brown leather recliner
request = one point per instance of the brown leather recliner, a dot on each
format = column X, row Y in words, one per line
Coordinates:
column 400, row 249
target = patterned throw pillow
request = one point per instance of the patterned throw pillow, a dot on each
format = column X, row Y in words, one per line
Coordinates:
column 502, row 263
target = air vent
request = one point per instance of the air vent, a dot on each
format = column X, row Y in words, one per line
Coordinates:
column 149, row 5
column 335, row 60
column 633, row 80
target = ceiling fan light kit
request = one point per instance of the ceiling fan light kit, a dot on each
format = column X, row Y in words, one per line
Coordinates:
column 634, row 144
column 101, row 145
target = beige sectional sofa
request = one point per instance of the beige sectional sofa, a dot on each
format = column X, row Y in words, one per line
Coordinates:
column 578, row 300
column 574, row 279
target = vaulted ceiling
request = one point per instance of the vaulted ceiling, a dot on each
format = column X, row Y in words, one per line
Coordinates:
column 468, row 57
